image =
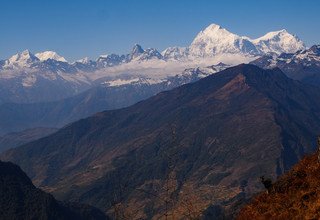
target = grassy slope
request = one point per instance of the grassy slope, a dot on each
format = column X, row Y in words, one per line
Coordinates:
column 296, row 195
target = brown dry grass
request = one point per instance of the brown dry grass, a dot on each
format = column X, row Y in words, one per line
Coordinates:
column 296, row 195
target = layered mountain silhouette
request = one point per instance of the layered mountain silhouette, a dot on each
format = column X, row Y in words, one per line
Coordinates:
column 16, row 139
column 192, row 150
column 20, row 199
column 16, row 117
column 294, row 195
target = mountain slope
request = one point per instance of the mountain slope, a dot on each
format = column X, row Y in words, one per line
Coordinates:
column 19, row 199
column 16, row 139
column 207, row 141
column 111, row 94
column 295, row 195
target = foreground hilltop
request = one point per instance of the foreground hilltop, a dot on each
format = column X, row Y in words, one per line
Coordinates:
column 20, row 199
column 296, row 195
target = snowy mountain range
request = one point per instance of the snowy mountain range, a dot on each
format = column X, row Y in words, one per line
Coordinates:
column 48, row 76
column 216, row 40
column 303, row 65
column 211, row 42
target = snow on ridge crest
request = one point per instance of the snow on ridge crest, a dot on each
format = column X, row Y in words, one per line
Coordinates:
column 210, row 44
column 216, row 40
column 50, row 55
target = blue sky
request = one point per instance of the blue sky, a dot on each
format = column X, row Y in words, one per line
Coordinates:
column 76, row 29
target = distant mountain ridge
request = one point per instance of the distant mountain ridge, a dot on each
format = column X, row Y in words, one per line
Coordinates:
column 212, row 41
column 47, row 76
column 16, row 139
column 303, row 65
column 217, row 40
column 108, row 94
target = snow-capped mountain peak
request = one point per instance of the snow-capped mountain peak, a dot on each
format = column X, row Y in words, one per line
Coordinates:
column 315, row 49
column 84, row 60
column 175, row 53
column 215, row 27
column 23, row 59
column 279, row 42
column 23, row 56
column 148, row 54
column 308, row 57
column 136, row 51
column 214, row 32
column 110, row 60
column 217, row 40
column 50, row 55
column 271, row 35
